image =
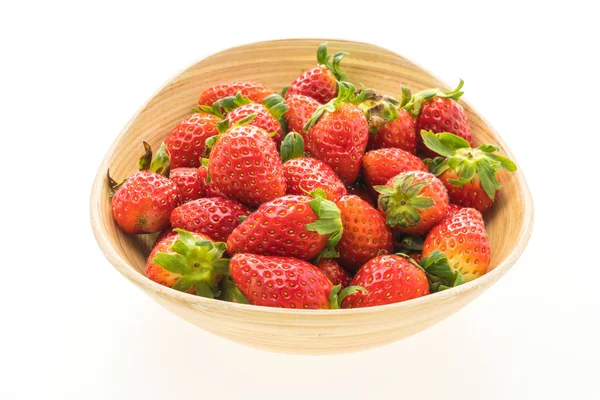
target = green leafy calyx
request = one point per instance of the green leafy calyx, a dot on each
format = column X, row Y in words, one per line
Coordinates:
column 329, row 222
column 275, row 105
column 466, row 162
column 406, row 244
column 346, row 94
column 401, row 203
column 292, row 146
column 338, row 294
column 332, row 63
column 161, row 162
column 439, row 273
column 199, row 262
column 231, row 293
column 416, row 101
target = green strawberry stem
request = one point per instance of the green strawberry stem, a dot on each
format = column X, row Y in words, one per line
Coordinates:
column 439, row 273
column 276, row 106
column 199, row 262
column 329, row 222
column 292, row 146
column 378, row 109
column 284, row 90
column 216, row 109
column 416, row 101
column 467, row 162
column 346, row 94
column 332, row 65
column 231, row 293
column 232, row 102
column 402, row 203
column 338, row 295
column 146, row 158
column 159, row 164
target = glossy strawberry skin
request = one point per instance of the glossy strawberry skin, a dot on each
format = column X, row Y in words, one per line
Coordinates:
column 263, row 119
column 144, row 203
column 339, row 139
column 336, row 274
column 452, row 209
column 186, row 143
column 191, row 184
column 431, row 216
column 278, row 228
column 245, row 166
column 280, row 282
column 253, row 90
column 399, row 133
column 388, row 279
column 381, row 165
column 307, row 174
column 471, row 194
column 365, row 233
column 442, row 115
column 463, row 240
column 163, row 245
column 318, row 83
column 301, row 108
column 215, row 217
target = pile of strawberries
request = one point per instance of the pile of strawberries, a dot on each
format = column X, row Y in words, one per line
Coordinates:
column 316, row 198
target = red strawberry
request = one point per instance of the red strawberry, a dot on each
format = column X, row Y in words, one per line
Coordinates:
column 470, row 175
column 439, row 111
column 379, row 166
column 387, row 279
column 320, row 82
column 186, row 143
column 389, row 124
column 215, row 217
column 336, row 274
column 268, row 114
column 253, row 90
column 280, row 281
column 337, row 134
column 291, row 226
column 452, row 209
column 301, row 108
column 413, row 202
column 303, row 174
column 460, row 245
column 143, row 203
column 192, row 185
column 365, row 234
column 397, row 133
column 188, row 262
column 245, row 166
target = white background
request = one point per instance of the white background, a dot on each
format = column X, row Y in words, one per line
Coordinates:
column 72, row 75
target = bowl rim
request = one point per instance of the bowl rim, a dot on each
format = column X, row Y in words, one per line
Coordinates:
column 99, row 185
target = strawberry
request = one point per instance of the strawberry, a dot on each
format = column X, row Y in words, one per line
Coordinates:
column 452, row 209
column 390, row 125
column 291, row 226
column 320, row 82
column 268, row 114
column 439, row 111
column 301, row 108
column 388, row 279
column 336, row 274
column 191, row 182
column 245, row 166
column 457, row 250
column 338, row 132
column 379, row 166
column 215, row 217
column 188, row 262
column 413, row 202
column 285, row 282
column 256, row 92
column 186, row 143
column 303, row 174
column 143, row 202
column 470, row 175
column 365, row 233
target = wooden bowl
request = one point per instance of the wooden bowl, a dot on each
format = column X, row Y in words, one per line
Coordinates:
column 277, row 63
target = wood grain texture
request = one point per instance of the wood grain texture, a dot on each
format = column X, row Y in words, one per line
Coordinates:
column 277, row 63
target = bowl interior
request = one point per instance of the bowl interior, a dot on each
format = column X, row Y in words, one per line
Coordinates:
column 277, row 63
